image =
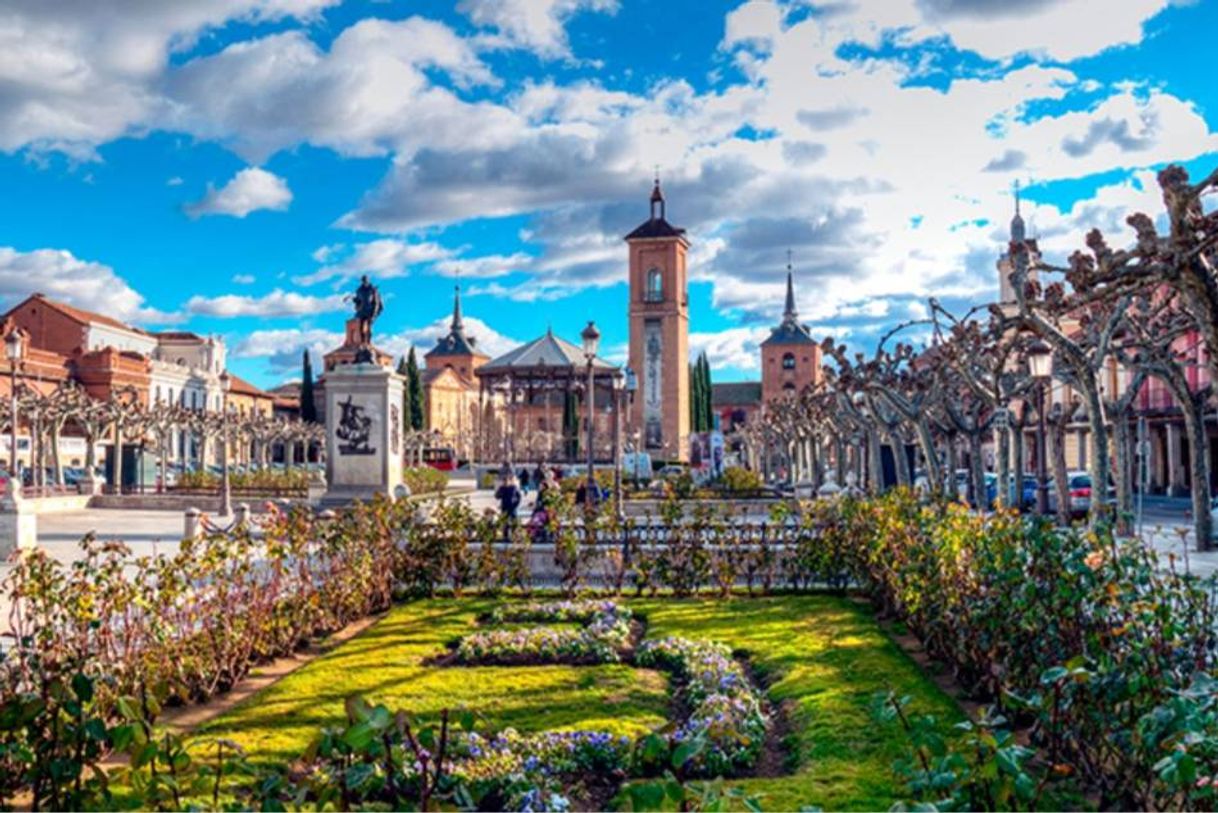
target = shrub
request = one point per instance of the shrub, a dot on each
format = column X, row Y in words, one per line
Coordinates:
column 738, row 478
column 272, row 480
column 424, row 479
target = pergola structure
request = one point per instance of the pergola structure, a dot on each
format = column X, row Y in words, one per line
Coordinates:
column 533, row 381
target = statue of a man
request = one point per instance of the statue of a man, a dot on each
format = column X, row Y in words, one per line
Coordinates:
column 368, row 306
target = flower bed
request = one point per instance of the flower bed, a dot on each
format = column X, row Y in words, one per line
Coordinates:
column 579, row 612
column 535, row 772
column 605, row 632
column 725, row 713
column 724, row 727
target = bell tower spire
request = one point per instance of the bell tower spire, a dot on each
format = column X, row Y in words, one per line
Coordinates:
column 789, row 313
column 457, row 325
column 1018, row 233
column 657, row 199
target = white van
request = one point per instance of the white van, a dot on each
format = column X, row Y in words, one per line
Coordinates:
column 636, row 468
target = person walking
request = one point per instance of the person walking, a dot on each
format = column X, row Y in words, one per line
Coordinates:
column 508, row 495
column 524, row 480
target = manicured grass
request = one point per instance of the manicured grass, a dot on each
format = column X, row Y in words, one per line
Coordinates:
column 823, row 656
column 385, row 665
column 826, row 658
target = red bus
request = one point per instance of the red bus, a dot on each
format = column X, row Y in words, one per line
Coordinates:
column 443, row 458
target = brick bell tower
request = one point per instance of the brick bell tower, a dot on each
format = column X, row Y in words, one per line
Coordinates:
column 659, row 333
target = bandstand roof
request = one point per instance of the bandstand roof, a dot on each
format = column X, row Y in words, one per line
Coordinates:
column 547, row 355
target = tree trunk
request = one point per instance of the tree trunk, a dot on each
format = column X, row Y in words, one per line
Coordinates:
column 953, row 464
column 900, row 463
column 1002, row 440
column 56, row 462
column 927, row 442
column 118, row 458
column 1017, row 466
column 875, row 464
column 1098, row 464
column 1121, row 473
column 1057, row 436
column 161, row 454
column 976, row 470
column 90, row 452
column 1199, row 471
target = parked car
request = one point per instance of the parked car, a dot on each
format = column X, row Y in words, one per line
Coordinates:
column 672, row 471
column 1081, row 493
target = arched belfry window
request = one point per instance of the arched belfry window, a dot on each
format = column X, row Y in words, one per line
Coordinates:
column 788, row 361
column 655, row 285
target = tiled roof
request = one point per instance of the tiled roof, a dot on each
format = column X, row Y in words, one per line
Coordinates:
column 240, row 386
column 789, row 333
column 656, row 227
column 454, row 344
column 546, row 350
column 85, row 317
column 735, row 393
column 180, row 335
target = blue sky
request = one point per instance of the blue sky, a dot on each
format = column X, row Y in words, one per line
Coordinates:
column 233, row 166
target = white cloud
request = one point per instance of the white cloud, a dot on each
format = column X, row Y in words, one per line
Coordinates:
column 88, row 285
column 282, row 348
column 251, row 189
column 386, row 258
column 369, row 94
column 270, row 305
column 487, row 339
column 538, row 25
column 738, row 347
column 244, row 279
column 1062, row 30
column 484, row 267
column 80, row 73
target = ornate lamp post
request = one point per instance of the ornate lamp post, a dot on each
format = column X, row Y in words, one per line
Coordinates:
column 591, row 339
column 12, row 348
column 226, row 497
column 1040, row 365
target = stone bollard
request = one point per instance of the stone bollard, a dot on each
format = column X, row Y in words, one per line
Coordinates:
column 193, row 518
column 241, row 515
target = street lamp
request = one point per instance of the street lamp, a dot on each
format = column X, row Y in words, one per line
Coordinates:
column 591, row 338
column 1040, row 365
column 12, row 348
column 226, row 497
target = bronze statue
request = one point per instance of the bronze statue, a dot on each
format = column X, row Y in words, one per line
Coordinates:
column 368, row 306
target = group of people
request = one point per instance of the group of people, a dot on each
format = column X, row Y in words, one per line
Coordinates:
column 510, row 495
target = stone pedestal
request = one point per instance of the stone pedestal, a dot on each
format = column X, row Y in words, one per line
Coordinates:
column 18, row 525
column 364, row 430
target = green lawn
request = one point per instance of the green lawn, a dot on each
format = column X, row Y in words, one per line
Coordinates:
column 826, row 656
column 385, row 665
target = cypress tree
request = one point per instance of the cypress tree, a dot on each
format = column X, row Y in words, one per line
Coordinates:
column 414, row 391
column 570, row 425
column 708, row 415
column 308, row 408
column 694, row 396
column 403, row 371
